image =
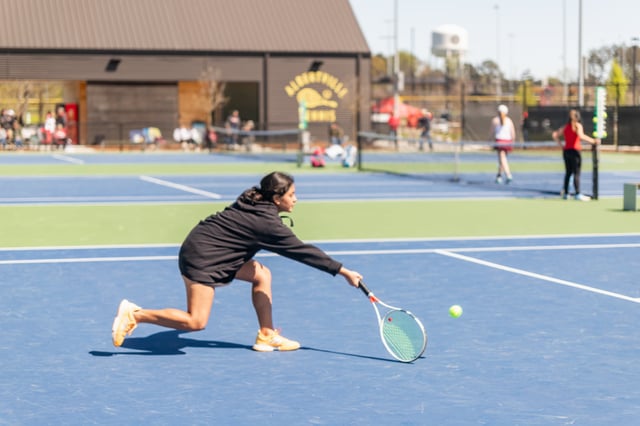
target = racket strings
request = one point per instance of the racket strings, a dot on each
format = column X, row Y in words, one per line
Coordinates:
column 403, row 335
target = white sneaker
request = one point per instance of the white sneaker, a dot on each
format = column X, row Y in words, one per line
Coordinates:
column 581, row 197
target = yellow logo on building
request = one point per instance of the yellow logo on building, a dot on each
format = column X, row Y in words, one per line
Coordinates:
column 320, row 92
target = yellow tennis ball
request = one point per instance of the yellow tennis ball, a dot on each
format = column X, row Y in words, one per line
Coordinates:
column 455, row 311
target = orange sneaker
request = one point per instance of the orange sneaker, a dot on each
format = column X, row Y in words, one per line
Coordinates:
column 124, row 322
column 274, row 342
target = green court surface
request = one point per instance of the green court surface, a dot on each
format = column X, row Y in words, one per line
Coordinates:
column 25, row 226
column 139, row 223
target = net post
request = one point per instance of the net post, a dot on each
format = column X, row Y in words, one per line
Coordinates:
column 304, row 142
column 359, row 153
column 456, row 160
column 300, row 156
column 595, row 159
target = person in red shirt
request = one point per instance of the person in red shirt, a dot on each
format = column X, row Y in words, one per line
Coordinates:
column 394, row 123
column 573, row 134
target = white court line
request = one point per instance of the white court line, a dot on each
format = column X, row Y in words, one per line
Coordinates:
column 380, row 240
column 538, row 276
column 559, row 247
column 67, row 159
column 350, row 252
column 444, row 252
column 87, row 260
column 181, row 187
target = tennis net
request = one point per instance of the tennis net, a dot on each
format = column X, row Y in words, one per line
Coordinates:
column 268, row 145
column 537, row 167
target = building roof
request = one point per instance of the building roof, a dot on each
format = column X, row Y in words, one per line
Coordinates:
column 276, row 26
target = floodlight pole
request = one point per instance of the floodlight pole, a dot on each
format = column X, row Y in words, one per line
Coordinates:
column 396, row 62
column 498, row 79
column 580, row 65
column 634, row 40
column 565, row 92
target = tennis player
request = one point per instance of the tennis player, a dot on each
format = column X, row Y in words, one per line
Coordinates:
column 504, row 133
column 572, row 133
column 221, row 248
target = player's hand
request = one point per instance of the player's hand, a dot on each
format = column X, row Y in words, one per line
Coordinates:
column 352, row 277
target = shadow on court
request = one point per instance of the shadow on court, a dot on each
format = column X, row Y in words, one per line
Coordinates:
column 307, row 348
column 171, row 343
column 167, row 343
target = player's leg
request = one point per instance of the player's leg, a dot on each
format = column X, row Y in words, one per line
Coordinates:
column 260, row 278
column 199, row 302
column 567, row 172
column 577, row 166
column 500, row 167
column 268, row 338
column 503, row 166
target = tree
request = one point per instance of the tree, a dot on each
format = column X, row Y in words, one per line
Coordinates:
column 211, row 91
column 378, row 67
column 409, row 63
column 524, row 94
column 617, row 84
column 28, row 96
column 483, row 77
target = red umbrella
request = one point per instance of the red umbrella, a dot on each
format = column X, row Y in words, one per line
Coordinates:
column 385, row 106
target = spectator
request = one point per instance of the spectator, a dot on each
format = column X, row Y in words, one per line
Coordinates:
column 210, row 139
column 248, row 139
column 60, row 137
column 525, row 126
column 232, row 125
column 394, row 123
column 48, row 130
column 336, row 134
column 182, row 135
column 424, row 125
column 61, row 117
column 17, row 133
column 3, row 138
column 196, row 138
column 412, row 125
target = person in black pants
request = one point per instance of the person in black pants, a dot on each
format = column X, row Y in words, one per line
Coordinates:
column 572, row 133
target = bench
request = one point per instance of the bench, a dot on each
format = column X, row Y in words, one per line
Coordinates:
column 630, row 196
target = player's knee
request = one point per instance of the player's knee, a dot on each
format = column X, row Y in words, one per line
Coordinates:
column 197, row 324
column 263, row 275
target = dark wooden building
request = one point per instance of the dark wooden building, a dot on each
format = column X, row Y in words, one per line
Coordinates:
column 137, row 63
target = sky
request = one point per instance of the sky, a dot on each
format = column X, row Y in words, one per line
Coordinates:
column 538, row 36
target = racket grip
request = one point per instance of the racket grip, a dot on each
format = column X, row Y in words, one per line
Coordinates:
column 364, row 289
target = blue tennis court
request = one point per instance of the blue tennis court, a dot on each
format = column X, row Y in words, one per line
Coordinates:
column 310, row 186
column 322, row 185
column 548, row 336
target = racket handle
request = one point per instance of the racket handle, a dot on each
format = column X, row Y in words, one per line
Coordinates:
column 364, row 289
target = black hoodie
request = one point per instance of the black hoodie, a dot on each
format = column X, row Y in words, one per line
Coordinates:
column 219, row 245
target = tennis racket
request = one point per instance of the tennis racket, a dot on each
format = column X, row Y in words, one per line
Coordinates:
column 402, row 333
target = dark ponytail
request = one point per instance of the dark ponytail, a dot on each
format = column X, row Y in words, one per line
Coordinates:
column 275, row 183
